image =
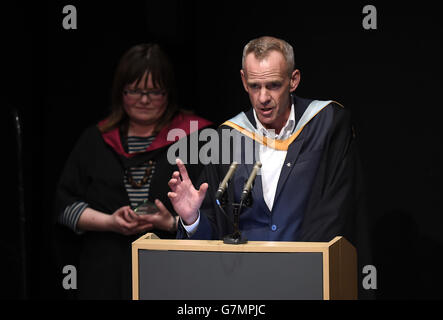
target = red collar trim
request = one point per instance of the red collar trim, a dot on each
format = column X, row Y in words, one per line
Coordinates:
column 181, row 121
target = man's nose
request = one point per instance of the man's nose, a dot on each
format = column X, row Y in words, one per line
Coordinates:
column 264, row 98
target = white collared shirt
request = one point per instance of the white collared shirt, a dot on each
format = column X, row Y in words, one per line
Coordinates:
column 272, row 162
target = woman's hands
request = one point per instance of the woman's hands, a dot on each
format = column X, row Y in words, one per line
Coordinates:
column 185, row 199
column 127, row 222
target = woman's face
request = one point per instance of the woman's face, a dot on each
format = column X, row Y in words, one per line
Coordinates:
column 144, row 105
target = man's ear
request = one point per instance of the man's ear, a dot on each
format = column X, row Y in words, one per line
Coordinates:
column 295, row 80
column 243, row 80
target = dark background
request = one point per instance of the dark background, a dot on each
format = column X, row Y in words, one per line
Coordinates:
column 60, row 80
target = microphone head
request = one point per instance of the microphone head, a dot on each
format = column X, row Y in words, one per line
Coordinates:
column 224, row 183
column 251, row 178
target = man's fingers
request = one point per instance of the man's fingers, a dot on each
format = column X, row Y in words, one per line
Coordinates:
column 203, row 188
column 173, row 183
column 176, row 175
column 182, row 169
column 172, row 195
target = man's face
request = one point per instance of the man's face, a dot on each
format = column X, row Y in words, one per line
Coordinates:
column 269, row 86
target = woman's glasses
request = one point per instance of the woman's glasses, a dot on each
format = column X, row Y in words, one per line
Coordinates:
column 151, row 94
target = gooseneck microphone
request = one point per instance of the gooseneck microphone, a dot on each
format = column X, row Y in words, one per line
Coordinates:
column 248, row 184
column 223, row 185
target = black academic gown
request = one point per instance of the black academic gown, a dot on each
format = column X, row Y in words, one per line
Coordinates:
column 94, row 173
column 319, row 193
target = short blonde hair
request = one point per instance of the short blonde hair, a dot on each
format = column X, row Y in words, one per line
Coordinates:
column 261, row 47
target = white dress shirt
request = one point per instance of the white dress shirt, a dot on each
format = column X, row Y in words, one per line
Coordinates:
column 272, row 161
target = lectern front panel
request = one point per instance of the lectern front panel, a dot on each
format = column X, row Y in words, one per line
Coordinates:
column 197, row 275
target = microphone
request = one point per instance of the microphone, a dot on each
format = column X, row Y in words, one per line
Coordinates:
column 224, row 183
column 248, row 185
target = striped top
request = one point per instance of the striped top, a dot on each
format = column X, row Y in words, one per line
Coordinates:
column 136, row 195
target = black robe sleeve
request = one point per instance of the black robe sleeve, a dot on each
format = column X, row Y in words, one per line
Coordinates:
column 332, row 202
column 337, row 205
column 73, row 180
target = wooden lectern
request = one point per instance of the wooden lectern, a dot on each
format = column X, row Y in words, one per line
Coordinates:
column 165, row 269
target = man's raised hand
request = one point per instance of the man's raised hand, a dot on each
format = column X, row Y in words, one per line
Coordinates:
column 185, row 199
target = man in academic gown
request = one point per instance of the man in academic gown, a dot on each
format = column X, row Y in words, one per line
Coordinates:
column 308, row 188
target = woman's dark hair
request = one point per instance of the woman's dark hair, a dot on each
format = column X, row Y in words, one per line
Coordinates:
column 137, row 61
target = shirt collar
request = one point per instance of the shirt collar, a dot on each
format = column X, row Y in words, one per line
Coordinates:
column 285, row 131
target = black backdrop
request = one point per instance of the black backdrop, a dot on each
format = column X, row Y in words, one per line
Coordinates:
column 60, row 82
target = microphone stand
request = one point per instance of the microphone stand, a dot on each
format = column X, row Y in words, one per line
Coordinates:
column 236, row 237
